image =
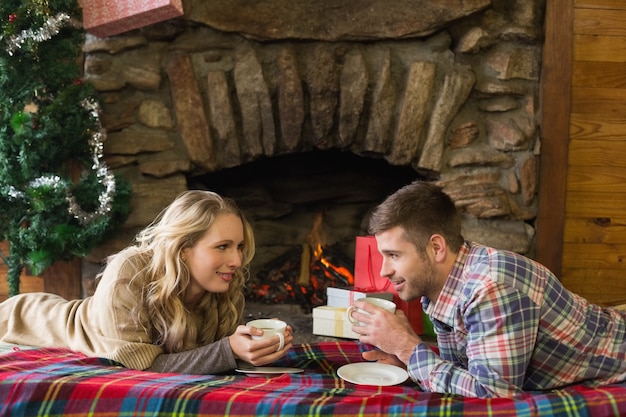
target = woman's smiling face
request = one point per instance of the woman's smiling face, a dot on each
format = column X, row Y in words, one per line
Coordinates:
column 213, row 260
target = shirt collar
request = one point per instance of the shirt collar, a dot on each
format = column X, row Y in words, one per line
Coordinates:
column 443, row 308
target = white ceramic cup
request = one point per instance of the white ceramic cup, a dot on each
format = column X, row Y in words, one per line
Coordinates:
column 271, row 328
column 390, row 306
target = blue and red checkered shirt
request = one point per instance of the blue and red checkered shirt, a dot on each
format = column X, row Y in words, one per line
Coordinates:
column 505, row 324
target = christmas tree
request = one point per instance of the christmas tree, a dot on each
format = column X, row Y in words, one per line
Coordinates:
column 58, row 198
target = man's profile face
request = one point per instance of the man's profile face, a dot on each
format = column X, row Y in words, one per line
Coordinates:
column 410, row 271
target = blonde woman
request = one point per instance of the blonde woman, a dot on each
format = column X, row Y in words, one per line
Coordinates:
column 172, row 302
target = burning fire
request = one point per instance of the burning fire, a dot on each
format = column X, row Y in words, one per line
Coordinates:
column 302, row 275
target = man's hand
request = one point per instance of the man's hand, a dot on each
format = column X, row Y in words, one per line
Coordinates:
column 390, row 333
column 383, row 357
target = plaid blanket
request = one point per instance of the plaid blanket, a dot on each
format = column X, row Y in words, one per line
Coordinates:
column 55, row 382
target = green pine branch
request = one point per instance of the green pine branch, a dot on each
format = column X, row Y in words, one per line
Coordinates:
column 45, row 130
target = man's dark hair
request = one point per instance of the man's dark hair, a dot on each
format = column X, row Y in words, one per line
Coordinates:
column 421, row 209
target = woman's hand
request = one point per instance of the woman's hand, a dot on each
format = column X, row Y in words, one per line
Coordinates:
column 258, row 352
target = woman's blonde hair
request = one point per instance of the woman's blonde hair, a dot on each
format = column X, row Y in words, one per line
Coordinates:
column 160, row 248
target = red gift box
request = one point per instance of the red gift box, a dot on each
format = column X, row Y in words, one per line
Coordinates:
column 367, row 264
column 110, row 17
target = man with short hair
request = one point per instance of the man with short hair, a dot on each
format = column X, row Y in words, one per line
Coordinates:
column 504, row 323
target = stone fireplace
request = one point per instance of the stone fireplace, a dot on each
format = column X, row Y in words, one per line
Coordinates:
column 318, row 110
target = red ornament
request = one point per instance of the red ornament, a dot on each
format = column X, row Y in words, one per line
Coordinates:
column 12, row 17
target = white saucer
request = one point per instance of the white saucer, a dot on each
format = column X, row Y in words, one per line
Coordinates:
column 266, row 370
column 372, row 373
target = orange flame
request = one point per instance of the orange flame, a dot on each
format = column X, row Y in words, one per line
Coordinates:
column 316, row 237
column 316, row 240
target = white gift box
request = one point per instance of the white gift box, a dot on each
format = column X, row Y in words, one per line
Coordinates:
column 332, row 321
column 345, row 297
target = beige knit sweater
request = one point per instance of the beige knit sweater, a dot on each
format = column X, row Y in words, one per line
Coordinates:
column 100, row 325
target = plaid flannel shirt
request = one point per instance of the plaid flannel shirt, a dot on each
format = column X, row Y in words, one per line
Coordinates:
column 505, row 324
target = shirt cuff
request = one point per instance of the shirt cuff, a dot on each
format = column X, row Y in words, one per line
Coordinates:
column 421, row 362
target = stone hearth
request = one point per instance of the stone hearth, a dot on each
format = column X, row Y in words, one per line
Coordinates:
column 446, row 91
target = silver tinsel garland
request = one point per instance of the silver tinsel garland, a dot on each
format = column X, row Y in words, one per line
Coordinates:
column 105, row 177
column 52, row 26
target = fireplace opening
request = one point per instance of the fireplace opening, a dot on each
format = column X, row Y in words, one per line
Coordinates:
column 306, row 210
column 303, row 274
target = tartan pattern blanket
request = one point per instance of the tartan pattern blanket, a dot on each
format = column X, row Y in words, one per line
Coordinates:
column 55, row 382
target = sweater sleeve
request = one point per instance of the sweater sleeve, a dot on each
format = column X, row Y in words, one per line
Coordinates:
column 210, row 359
column 129, row 342
column 119, row 336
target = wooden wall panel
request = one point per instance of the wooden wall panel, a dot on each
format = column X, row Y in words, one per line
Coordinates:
column 28, row 283
column 608, row 22
column 592, row 204
column 555, row 112
column 599, row 74
column 600, row 4
column 599, row 48
column 600, row 179
column 598, row 100
column 594, row 257
column 606, row 291
column 598, row 152
column 596, row 126
column 606, row 230
column 62, row 278
column 592, row 269
column 594, row 238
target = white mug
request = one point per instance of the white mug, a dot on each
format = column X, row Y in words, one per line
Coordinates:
column 390, row 306
column 271, row 328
